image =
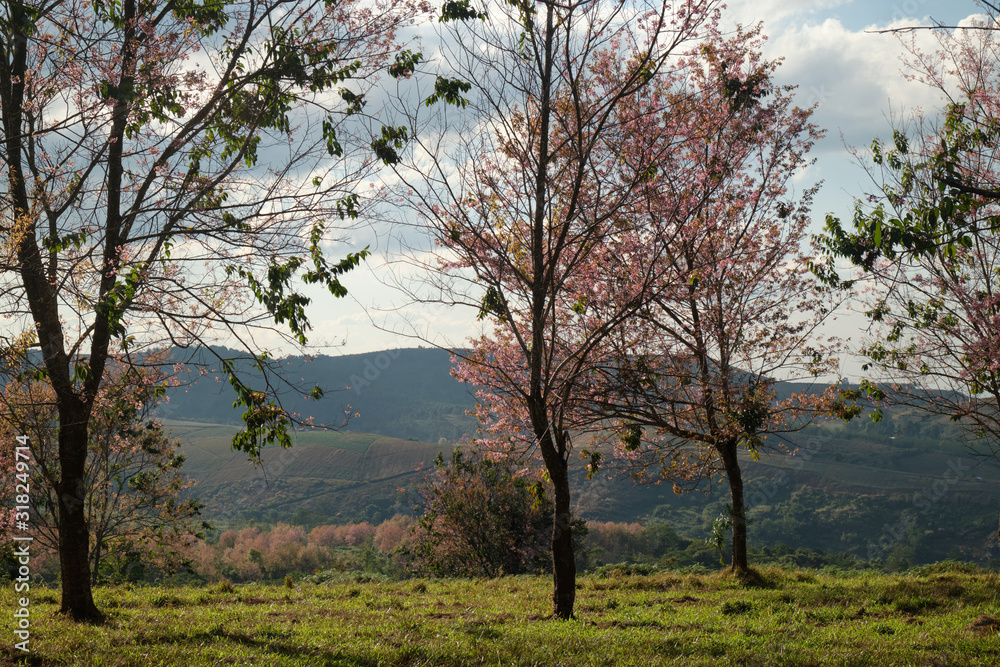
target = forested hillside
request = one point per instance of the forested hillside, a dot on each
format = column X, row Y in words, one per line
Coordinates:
column 906, row 489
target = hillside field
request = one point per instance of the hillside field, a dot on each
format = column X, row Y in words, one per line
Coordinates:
column 326, row 473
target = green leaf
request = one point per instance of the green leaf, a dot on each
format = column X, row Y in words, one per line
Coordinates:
column 493, row 303
column 405, row 64
column 595, row 462
column 450, row 90
column 393, row 139
column 459, row 10
column 631, row 438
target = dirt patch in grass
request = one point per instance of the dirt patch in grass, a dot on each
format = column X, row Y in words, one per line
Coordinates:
column 985, row 624
column 250, row 600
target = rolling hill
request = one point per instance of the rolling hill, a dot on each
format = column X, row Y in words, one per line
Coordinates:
column 905, row 488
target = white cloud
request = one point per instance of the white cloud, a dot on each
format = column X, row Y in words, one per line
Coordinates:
column 853, row 76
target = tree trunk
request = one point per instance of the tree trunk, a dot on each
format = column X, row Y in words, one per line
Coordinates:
column 563, row 558
column 731, row 462
column 74, row 535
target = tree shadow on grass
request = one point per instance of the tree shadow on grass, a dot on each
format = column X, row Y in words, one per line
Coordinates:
column 271, row 642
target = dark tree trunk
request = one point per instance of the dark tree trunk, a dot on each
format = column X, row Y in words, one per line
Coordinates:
column 554, row 453
column 563, row 558
column 553, row 446
column 74, row 536
column 728, row 450
column 40, row 291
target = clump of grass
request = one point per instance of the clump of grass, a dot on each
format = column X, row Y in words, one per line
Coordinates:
column 753, row 578
column 46, row 596
column 338, row 577
column 912, row 596
column 289, row 584
column 165, row 600
column 915, row 604
column 734, row 607
column 945, row 567
column 985, row 624
column 222, row 586
column 616, row 570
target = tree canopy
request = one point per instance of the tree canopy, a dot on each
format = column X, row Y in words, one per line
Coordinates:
column 925, row 243
column 174, row 172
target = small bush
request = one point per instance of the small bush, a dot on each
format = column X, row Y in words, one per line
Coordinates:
column 945, row 567
column 915, row 604
column 478, row 518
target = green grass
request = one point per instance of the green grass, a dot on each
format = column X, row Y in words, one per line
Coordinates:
column 793, row 618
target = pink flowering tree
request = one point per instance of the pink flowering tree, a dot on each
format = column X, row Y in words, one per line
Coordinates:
column 172, row 170
column 926, row 243
column 527, row 195
column 689, row 381
column 134, row 490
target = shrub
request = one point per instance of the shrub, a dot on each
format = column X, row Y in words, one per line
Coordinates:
column 359, row 534
column 394, row 533
column 477, row 519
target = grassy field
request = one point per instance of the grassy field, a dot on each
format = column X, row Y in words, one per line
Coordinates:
column 793, row 618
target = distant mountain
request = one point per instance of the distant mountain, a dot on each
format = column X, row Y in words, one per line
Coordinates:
column 904, row 499
column 403, row 393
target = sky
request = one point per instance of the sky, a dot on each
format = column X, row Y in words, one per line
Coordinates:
column 830, row 52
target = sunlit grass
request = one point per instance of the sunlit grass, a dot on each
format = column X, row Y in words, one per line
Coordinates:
column 790, row 618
